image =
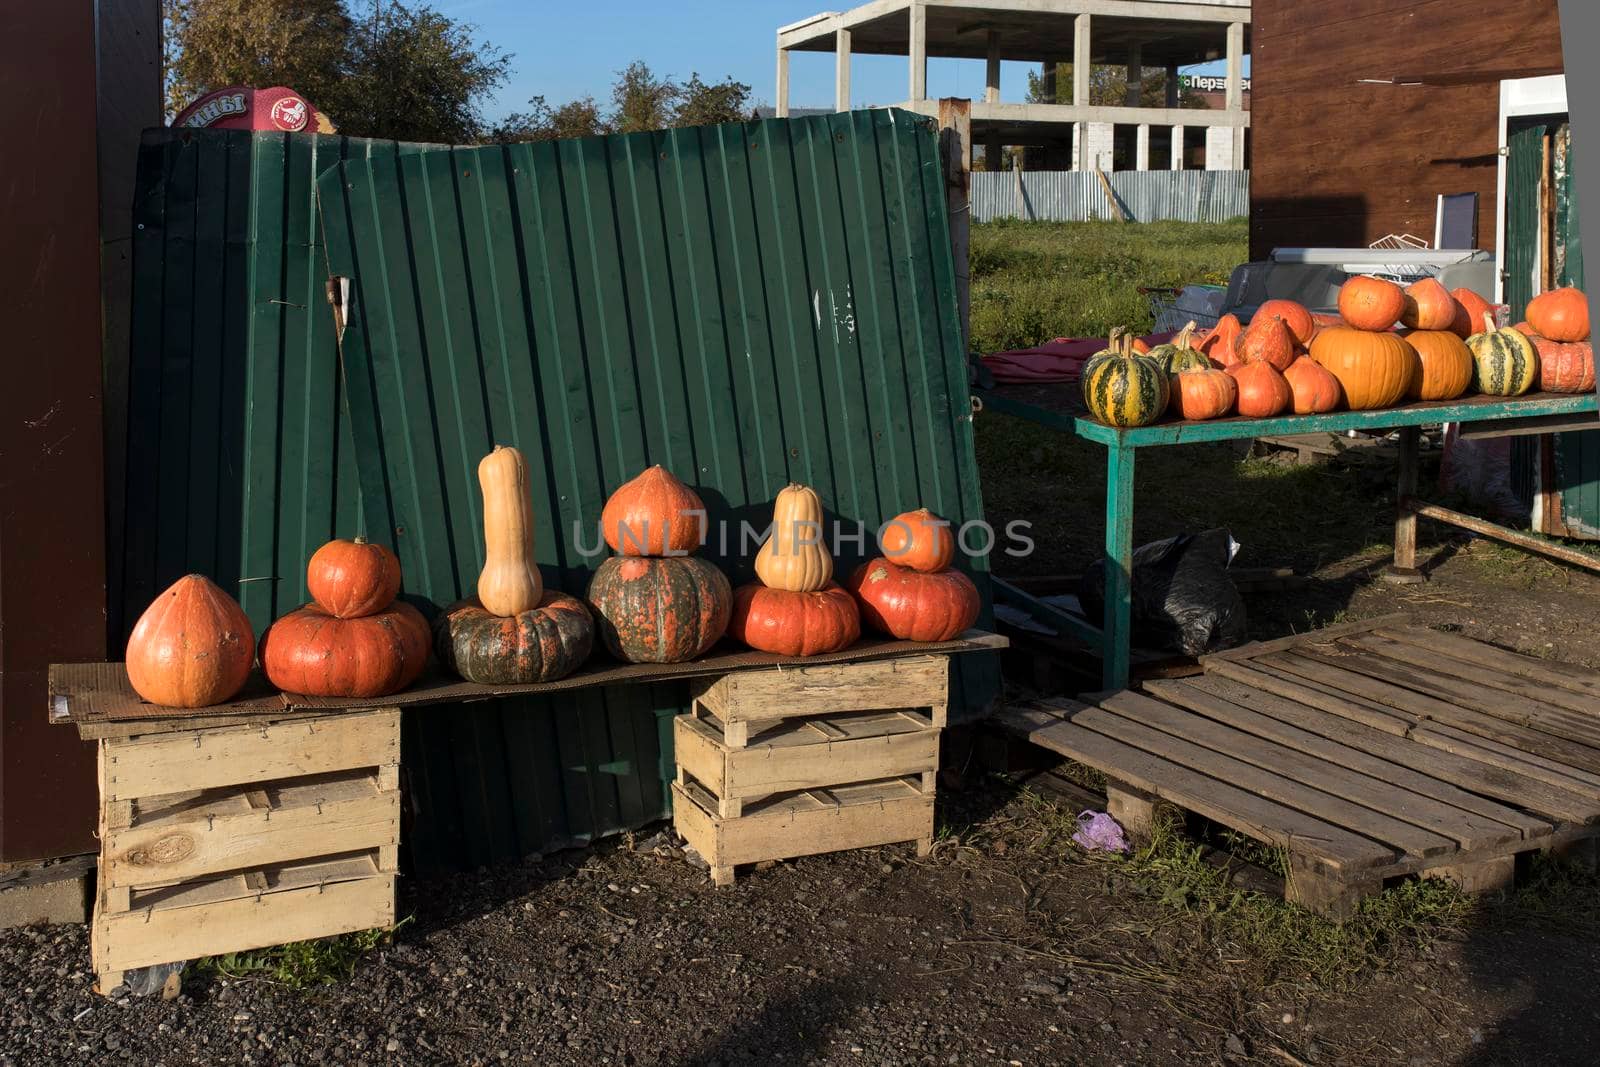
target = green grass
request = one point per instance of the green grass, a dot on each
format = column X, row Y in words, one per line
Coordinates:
column 1032, row 281
column 302, row 964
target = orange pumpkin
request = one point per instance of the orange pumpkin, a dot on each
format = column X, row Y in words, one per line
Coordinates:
column 1444, row 365
column 918, row 539
column 1565, row 366
column 1294, row 315
column 1268, row 340
column 353, row 578
column 192, row 647
column 1374, row 368
column 1428, row 306
column 1470, row 309
column 1203, row 394
column 654, row 515
column 1218, row 342
column 311, row 652
column 913, row 606
column 1140, row 345
column 788, row 623
column 1368, row 303
column 1312, row 389
column 1560, row 314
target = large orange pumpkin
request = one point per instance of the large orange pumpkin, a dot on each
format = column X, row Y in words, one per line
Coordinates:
column 1218, row 342
column 794, row 624
column 1294, row 315
column 1470, row 309
column 192, row 647
column 1368, row 303
column 1560, row 314
column 1374, row 368
column 918, row 539
column 659, row 610
column 1268, row 340
column 353, row 578
column 1263, row 392
column 1428, row 306
column 1565, row 366
column 1444, row 365
column 654, row 515
column 1203, row 394
column 1311, row 388
column 311, row 652
column 913, row 606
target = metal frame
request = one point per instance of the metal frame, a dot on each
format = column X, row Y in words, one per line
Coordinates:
column 1112, row 638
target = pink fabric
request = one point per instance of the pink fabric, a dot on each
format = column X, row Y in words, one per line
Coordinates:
column 1060, row 360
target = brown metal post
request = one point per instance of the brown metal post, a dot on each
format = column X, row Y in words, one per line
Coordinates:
column 955, row 137
column 52, row 528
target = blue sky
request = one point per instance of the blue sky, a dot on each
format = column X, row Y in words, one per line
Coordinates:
column 563, row 50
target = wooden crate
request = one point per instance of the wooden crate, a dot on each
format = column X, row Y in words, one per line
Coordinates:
column 1368, row 751
column 233, row 838
column 793, row 762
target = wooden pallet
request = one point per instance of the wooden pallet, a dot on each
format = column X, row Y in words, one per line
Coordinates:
column 1368, row 751
column 778, row 764
column 231, row 838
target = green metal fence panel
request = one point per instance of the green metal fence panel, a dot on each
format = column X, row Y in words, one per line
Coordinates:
column 749, row 305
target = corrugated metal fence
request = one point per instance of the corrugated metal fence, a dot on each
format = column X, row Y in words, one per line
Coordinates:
column 1145, row 195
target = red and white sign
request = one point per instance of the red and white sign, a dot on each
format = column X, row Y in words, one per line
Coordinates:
column 239, row 107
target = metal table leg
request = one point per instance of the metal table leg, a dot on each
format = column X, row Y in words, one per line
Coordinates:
column 1405, row 569
column 1116, row 639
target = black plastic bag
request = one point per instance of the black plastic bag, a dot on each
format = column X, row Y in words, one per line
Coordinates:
column 1183, row 598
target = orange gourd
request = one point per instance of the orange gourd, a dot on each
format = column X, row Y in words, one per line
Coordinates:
column 510, row 582
column 1368, row 303
column 790, row 623
column 1311, row 388
column 1268, row 340
column 1203, row 394
column 918, row 539
column 1444, row 365
column 1374, row 368
column 900, row 602
column 794, row 557
column 1429, row 306
column 1565, row 366
column 1218, row 342
column 353, row 578
column 192, row 647
column 1560, row 314
column 1470, row 309
column 654, row 515
column 1294, row 315
column 311, row 652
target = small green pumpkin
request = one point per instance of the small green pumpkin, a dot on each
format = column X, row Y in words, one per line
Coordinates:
column 1504, row 361
column 1123, row 388
column 1180, row 354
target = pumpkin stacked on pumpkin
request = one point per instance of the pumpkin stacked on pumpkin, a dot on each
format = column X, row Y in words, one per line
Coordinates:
column 1558, row 326
column 912, row 592
column 1374, row 365
column 515, row 631
column 656, row 602
column 795, row 608
column 354, row 640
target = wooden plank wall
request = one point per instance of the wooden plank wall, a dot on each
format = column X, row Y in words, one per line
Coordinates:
column 1336, row 162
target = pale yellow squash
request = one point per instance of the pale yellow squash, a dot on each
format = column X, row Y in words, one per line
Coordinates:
column 510, row 583
column 793, row 557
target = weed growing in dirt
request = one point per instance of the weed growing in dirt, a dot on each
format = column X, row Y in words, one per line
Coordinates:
column 302, row 964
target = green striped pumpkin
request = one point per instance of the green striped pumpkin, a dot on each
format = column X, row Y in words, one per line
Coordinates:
column 1504, row 362
column 1180, row 354
column 1124, row 388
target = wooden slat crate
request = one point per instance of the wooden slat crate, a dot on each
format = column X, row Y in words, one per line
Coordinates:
column 233, row 838
column 785, row 763
column 1367, row 751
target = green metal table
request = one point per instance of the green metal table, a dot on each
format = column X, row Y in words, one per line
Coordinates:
column 1533, row 414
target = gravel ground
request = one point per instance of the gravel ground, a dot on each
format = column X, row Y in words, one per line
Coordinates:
column 1005, row 946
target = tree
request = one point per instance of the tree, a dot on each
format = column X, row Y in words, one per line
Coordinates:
column 576, row 118
column 1108, row 87
column 703, row 104
column 641, row 101
column 402, row 72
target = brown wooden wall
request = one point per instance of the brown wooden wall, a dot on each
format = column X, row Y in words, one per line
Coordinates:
column 1335, row 162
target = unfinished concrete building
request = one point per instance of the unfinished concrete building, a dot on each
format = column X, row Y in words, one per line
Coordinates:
column 1076, row 135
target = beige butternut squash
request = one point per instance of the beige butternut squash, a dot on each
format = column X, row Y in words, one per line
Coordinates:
column 510, row 583
column 793, row 557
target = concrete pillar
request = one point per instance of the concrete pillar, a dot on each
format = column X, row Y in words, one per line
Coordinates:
column 1219, row 148
column 1135, row 95
column 1234, row 100
column 782, row 103
column 841, row 70
column 919, row 51
column 1047, row 82
column 1177, row 148
column 1080, row 61
column 1102, row 144
column 991, row 82
column 1141, row 147
column 1172, row 85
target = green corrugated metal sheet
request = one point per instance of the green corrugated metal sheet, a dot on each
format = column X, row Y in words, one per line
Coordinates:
column 747, row 304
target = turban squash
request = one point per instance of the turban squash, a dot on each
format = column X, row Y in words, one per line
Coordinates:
column 544, row 643
column 659, row 610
